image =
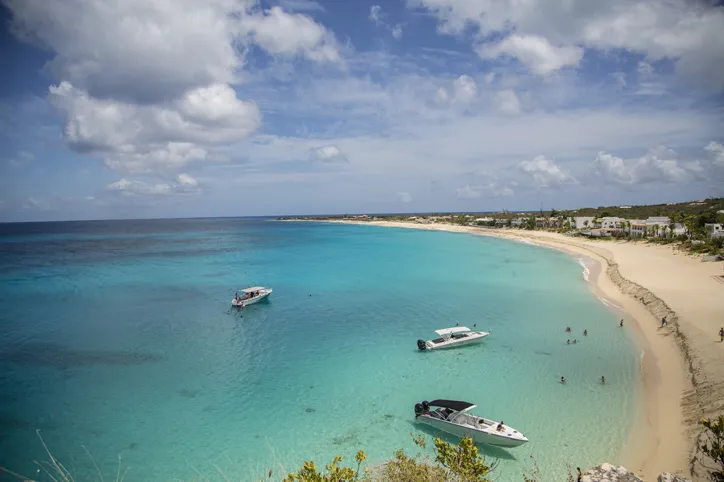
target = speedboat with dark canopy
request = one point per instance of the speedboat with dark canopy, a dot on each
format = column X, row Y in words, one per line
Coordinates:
column 452, row 337
column 452, row 416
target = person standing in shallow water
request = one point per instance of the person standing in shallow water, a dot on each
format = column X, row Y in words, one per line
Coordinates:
column 621, row 323
column 603, row 379
column 579, row 477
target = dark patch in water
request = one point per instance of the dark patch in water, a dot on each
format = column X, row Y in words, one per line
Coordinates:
column 311, row 386
column 214, row 275
column 349, row 438
column 209, row 408
column 309, row 410
column 389, row 417
column 132, row 446
column 50, row 354
column 543, row 353
column 188, row 393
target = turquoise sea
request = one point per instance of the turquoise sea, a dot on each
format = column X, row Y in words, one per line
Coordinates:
column 117, row 339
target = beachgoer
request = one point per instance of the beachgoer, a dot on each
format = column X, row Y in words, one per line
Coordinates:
column 575, row 341
column 603, row 379
column 501, row 427
column 663, row 321
column 563, row 379
column 621, row 323
column 568, row 342
column 579, row 477
column 721, row 335
column 568, row 329
column 585, row 332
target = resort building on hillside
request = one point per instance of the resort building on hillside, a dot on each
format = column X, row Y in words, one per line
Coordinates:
column 516, row 223
column 714, row 230
column 637, row 228
column 613, row 224
column 582, row 222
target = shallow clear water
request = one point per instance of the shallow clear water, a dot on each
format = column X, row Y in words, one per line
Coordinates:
column 119, row 337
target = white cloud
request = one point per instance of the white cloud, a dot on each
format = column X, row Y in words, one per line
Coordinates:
column 375, row 17
column 546, row 173
column 328, row 154
column 21, row 158
column 507, row 102
column 282, row 33
column 462, row 92
column 184, row 184
column 134, row 51
column 467, row 192
column 716, row 151
column 535, row 52
column 645, row 69
column 690, row 33
column 659, row 164
column 147, row 138
column 404, row 197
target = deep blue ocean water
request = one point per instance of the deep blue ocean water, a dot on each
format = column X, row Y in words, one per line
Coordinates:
column 118, row 337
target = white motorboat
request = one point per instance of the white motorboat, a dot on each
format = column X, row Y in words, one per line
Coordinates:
column 452, row 416
column 251, row 295
column 452, row 337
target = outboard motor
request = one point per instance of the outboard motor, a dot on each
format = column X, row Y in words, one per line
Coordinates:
column 421, row 345
column 419, row 410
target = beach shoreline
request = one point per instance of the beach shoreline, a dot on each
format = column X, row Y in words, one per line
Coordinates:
column 679, row 381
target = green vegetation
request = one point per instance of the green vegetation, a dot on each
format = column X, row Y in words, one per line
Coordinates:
column 452, row 463
column 711, row 448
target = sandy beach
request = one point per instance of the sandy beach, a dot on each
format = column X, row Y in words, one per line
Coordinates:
column 681, row 361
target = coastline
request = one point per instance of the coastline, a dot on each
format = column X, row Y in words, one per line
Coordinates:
column 679, row 382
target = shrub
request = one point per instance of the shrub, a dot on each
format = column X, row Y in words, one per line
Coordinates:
column 711, row 448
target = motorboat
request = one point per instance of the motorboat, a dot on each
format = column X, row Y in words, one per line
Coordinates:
column 452, row 337
column 452, row 416
column 251, row 295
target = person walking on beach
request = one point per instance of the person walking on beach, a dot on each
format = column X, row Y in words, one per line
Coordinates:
column 663, row 321
column 721, row 334
column 579, row 478
column 621, row 323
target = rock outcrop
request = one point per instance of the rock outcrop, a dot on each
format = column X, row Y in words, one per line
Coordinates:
column 668, row 477
column 617, row 473
column 609, row 473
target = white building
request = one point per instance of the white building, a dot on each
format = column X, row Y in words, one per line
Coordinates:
column 582, row 222
column 637, row 228
column 516, row 223
column 613, row 223
column 714, row 230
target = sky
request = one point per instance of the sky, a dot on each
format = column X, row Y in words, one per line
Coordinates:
column 185, row 108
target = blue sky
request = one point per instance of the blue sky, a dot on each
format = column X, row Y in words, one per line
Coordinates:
column 174, row 108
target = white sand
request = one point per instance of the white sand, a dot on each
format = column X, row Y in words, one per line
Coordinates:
column 683, row 362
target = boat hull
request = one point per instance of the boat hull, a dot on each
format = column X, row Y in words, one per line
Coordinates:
column 474, row 337
column 478, row 436
column 253, row 300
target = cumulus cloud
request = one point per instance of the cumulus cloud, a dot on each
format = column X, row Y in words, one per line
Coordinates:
column 328, row 154
column 145, row 138
column 184, row 184
column 507, row 102
column 279, row 32
column 549, row 34
column 404, row 197
column 659, row 164
column 463, row 91
column 546, row 173
column 535, row 52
